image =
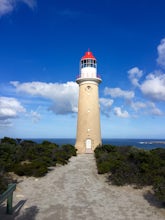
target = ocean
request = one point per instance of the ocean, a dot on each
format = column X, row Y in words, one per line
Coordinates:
column 140, row 143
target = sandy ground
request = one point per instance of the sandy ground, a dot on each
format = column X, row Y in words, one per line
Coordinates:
column 75, row 191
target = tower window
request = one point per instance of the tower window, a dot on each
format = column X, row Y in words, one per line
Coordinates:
column 88, row 63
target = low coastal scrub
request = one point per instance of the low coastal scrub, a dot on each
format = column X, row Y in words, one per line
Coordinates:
column 28, row 158
column 130, row 165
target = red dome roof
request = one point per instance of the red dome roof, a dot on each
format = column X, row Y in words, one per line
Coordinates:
column 88, row 55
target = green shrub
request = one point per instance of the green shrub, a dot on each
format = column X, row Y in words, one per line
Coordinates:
column 69, row 149
column 62, row 157
column 8, row 140
column 25, row 157
column 35, row 168
column 159, row 188
column 3, row 183
column 103, row 167
column 130, row 165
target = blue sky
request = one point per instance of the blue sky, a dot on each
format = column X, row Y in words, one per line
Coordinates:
column 41, row 44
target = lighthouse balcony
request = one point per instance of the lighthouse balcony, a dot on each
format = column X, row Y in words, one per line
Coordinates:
column 88, row 76
column 83, row 78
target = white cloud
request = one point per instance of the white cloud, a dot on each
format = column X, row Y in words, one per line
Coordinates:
column 117, row 92
column 106, row 102
column 30, row 3
column 154, row 110
column 161, row 53
column 134, row 75
column 63, row 95
column 157, row 112
column 105, row 105
column 35, row 116
column 9, row 108
column 138, row 105
column 5, row 123
column 147, row 107
column 154, row 86
column 7, row 6
column 122, row 114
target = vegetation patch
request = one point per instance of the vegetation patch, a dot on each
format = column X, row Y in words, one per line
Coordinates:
column 25, row 157
column 130, row 165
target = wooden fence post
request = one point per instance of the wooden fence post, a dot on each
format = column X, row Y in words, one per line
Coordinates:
column 9, row 209
column 8, row 194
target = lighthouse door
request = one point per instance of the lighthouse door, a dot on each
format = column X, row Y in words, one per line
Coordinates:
column 88, row 146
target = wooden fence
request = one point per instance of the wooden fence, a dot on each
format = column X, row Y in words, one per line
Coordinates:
column 8, row 194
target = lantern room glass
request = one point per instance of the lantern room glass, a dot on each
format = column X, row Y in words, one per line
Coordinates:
column 88, row 63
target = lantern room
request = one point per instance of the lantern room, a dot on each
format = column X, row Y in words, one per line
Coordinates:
column 88, row 66
column 88, row 60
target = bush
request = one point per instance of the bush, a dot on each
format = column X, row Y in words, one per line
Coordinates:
column 69, row 149
column 8, row 140
column 5, row 179
column 103, row 167
column 3, row 184
column 130, row 165
column 25, row 157
column 36, row 168
column 159, row 188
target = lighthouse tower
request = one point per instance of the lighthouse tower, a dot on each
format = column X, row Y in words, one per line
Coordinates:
column 88, row 122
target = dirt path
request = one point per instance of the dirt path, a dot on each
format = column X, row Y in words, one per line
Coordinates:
column 76, row 192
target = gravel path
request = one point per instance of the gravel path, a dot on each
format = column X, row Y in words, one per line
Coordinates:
column 76, row 192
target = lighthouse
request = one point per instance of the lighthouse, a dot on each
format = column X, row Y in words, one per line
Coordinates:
column 88, row 121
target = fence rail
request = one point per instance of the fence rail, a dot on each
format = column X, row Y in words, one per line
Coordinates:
column 8, row 194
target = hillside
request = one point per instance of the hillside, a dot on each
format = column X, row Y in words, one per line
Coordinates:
column 76, row 191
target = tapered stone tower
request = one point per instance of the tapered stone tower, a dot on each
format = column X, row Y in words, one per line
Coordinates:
column 88, row 122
